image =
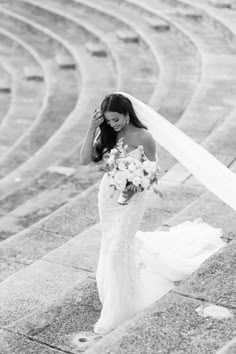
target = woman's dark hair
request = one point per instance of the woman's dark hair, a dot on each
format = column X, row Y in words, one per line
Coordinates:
column 107, row 138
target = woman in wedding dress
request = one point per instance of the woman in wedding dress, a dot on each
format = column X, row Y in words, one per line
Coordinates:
column 136, row 268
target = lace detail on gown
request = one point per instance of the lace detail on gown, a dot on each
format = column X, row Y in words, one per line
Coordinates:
column 136, row 268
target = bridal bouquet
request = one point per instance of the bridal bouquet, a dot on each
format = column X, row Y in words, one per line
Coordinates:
column 129, row 175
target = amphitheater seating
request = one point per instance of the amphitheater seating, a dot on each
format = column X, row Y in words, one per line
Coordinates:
column 37, row 135
column 24, row 192
column 5, row 91
column 50, row 224
column 26, row 97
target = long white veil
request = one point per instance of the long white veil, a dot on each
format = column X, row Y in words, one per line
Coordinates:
column 204, row 166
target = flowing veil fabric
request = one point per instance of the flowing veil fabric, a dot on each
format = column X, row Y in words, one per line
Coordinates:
column 203, row 165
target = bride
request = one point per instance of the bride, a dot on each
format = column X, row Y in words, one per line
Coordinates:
column 136, row 268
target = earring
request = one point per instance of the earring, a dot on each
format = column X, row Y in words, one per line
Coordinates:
column 127, row 122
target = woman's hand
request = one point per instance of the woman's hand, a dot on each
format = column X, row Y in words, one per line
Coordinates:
column 97, row 119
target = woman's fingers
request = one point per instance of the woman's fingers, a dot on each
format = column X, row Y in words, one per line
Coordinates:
column 97, row 118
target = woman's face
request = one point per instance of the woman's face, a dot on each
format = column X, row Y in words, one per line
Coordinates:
column 116, row 120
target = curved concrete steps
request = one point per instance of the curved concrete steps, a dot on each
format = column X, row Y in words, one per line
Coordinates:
column 139, row 77
column 36, row 216
column 212, row 45
column 222, row 75
column 27, row 96
column 60, row 102
column 93, row 75
column 177, row 174
column 25, row 192
column 5, row 89
column 60, row 322
column 169, row 46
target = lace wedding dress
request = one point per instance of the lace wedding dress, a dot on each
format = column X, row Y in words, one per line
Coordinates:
column 136, row 268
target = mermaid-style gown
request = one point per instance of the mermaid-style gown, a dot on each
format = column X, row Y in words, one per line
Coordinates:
column 136, row 268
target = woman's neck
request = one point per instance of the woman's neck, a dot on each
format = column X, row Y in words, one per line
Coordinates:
column 125, row 130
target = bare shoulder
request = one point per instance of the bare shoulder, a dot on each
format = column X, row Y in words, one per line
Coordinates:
column 149, row 144
column 145, row 135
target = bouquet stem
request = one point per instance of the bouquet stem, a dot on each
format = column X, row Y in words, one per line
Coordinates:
column 125, row 197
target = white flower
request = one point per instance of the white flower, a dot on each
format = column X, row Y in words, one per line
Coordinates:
column 137, row 163
column 136, row 181
column 149, row 166
column 121, row 186
column 113, row 151
column 121, row 166
column 145, row 182
column 120, row 177
column 132, row 167
column 138, row 173
column 129, row 176
column 111, row 160
column 112, row 172
column 129, row 159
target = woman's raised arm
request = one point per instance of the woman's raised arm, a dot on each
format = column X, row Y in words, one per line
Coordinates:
column 87, row 147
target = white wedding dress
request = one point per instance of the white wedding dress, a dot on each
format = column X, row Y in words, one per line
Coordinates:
column 136, row 268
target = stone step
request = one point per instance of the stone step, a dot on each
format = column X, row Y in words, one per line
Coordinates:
column 127, row 36
column 33, row 73
column 202, row 104
column 12, row 343
column 49, row 200
column 159, row 24
column 6, row 85
column 96, row 49
column 221, row 3
column 65, row 61
column 222, row 20
column 27, row 97
column 188, row 13
column 65, row 96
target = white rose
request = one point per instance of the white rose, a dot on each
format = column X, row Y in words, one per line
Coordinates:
column 121, row 166
column 129, row 159
column 138, row 164
column 111, row 160
column 136, row 181
column 145, row 182
column 129, row 176
column 120, row 177
column 149, row 166
column 132, row 167
column 121, row 186
column 113, row 172
column 113, row 151
column 138, row 173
